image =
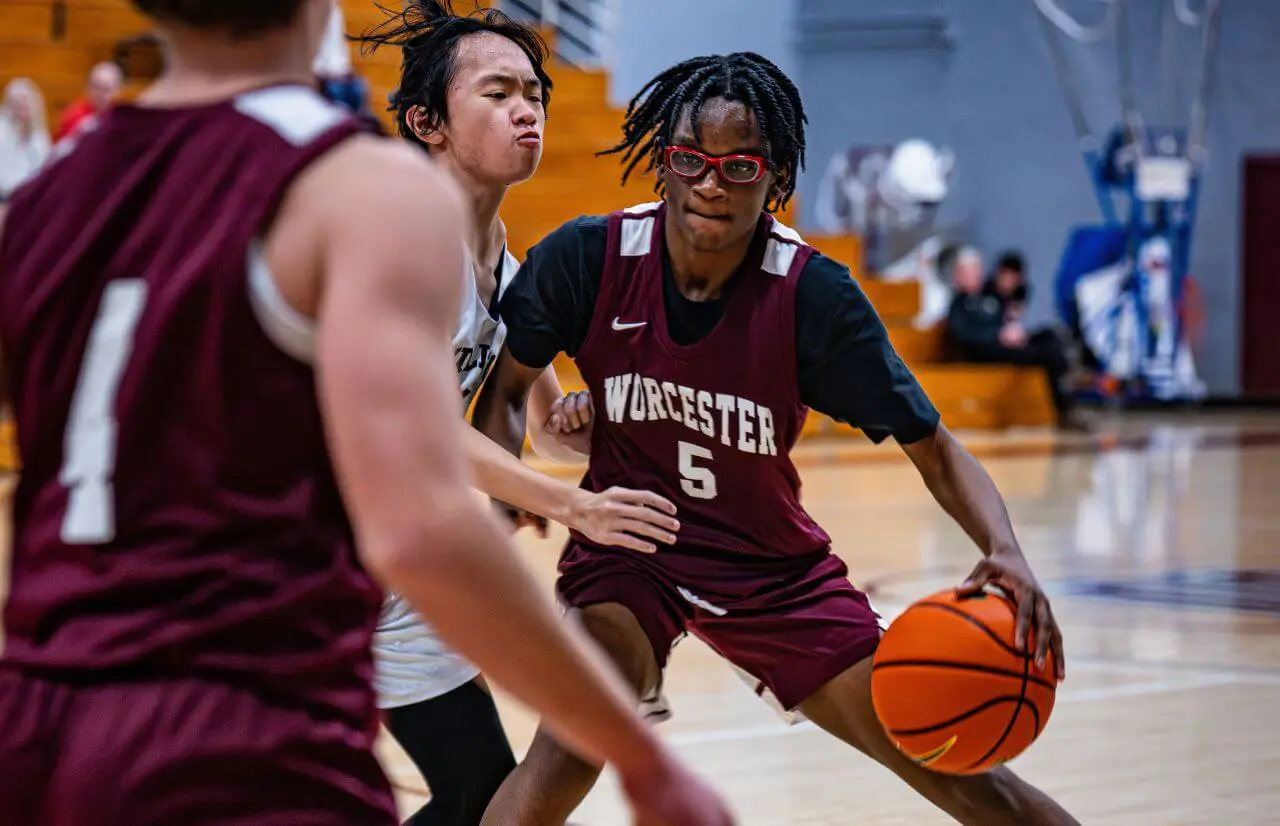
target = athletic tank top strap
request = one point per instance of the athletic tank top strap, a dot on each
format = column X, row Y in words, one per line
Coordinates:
column 785, row 257
column 631, row 235
column 309, row 127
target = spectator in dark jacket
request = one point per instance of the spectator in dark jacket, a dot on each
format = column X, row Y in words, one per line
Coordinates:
column 1009, row 284
column 984, row 326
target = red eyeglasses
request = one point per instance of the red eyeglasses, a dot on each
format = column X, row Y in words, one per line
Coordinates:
column 691, row 165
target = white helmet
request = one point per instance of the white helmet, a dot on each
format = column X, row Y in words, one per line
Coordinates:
column 917, row 173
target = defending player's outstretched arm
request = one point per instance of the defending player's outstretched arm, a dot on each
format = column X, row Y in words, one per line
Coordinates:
column 966, row 492
column 617, row 517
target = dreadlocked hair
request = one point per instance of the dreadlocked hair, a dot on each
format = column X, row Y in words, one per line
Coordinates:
column 745, row 77
column 428, row 33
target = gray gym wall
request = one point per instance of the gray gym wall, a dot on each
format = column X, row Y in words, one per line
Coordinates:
column 974, row 74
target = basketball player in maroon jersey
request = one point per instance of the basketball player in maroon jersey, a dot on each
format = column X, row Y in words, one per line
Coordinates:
column 705, row 330
column 200, row 303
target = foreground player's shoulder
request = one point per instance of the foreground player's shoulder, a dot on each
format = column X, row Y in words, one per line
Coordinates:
column 364, row 212
column 297, row 115
column 370, row 181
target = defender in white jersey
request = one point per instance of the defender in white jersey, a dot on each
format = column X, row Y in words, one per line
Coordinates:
column 473, row 95
column 413, row 664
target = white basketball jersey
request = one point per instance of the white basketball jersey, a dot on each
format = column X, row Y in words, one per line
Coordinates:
column 479, row 335
column 413, row 664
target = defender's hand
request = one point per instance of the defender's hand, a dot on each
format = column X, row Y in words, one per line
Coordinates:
column 1011, row 572
column 625, row 518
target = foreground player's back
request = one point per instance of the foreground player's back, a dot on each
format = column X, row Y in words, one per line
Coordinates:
column 177, row 509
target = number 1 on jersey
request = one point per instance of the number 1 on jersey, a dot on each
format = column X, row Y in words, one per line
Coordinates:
column 695, row 480
column 89, row 444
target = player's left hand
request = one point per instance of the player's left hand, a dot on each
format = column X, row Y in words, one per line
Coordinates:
column 570, row 421
column 571, row 414
column 1010, row 571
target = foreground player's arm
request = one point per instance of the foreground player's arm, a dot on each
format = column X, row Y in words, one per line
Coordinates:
column 849, row 370
column 388, row 391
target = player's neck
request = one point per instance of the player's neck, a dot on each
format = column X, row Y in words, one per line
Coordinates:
column 201, row 69
column 484, row 200
column 486, row 244
column 489, row 234
column 701, row 275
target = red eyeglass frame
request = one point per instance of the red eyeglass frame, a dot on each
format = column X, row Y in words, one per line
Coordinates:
column 714, row 161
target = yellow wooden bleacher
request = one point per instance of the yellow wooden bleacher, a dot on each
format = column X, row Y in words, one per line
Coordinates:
column 570, row 182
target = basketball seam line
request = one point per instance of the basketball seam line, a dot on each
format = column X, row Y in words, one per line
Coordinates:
column 979, row 625
column 908, row 732
column 1013, row 718
column 988, row 669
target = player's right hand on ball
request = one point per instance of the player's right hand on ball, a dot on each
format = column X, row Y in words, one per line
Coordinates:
column 675, row 797
column 623, row 518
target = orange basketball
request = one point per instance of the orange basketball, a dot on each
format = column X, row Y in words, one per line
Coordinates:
column 951, row 689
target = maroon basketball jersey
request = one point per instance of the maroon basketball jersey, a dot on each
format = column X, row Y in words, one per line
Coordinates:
column 177, row 511
column 709, row 425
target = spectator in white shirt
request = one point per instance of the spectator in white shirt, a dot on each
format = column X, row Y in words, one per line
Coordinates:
column 24, row 137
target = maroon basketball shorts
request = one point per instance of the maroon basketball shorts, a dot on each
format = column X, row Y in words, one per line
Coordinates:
column 794, row 623
column 175, row 753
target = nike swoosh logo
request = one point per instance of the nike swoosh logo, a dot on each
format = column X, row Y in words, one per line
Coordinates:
column 937, row 754
column 619, row 325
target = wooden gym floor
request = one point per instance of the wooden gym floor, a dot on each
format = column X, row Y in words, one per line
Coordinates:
column 1157, row 538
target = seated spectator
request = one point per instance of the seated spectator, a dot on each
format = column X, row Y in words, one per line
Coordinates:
column 105, row 82
column 24, row 137
column 338, row 81
column 1009, row 284
column 984, row 326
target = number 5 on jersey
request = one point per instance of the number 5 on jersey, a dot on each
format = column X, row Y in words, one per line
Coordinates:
column 696, row 479
column 89, row 444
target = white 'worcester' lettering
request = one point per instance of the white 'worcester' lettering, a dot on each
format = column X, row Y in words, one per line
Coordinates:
column 742, row 423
